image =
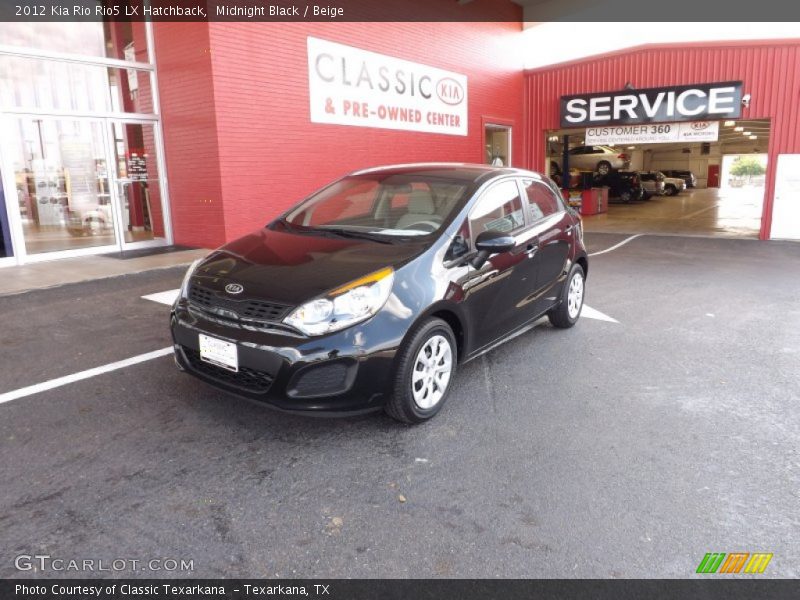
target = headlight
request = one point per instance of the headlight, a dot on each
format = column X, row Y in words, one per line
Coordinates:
column 185, row 284
column 345, row 306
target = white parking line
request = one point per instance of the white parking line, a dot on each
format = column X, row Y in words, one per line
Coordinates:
column 167, row 297
column 67, row 379
column 615, row 246
column 592, row 313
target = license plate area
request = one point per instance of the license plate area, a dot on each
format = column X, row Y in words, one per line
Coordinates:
column 219, row 352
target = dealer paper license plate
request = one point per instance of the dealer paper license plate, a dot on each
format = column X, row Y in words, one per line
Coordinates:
column 219, row 352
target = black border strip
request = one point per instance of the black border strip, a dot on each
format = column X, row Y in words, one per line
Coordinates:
column 656, row 13
column 707, row 588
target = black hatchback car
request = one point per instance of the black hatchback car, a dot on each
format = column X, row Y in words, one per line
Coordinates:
column 370, row 292
column 623, row 185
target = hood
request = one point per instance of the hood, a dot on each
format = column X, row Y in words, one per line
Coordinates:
column 292, row 268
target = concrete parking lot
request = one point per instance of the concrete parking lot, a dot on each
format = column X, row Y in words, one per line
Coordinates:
column 614, row 449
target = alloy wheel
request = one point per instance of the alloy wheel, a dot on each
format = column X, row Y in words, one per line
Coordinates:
column 575, row 296
column 432, row 370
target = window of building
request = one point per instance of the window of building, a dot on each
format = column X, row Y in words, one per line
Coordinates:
column 80, row 138
column 118, row 40
column 41, row 84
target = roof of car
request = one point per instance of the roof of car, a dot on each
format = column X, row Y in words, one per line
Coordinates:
column 461, row 171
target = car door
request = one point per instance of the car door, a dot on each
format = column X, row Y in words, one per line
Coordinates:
column 553, row 230
column 491, row 296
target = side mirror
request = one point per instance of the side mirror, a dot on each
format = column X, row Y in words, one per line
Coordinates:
column 491, row 242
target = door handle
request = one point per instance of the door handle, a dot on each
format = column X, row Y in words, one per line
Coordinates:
column 531, row 249
column 569, row 229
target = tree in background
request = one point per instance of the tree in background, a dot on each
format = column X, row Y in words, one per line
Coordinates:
column 749, row 167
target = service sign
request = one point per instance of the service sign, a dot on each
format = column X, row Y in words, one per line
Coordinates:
column 349, row 86
column 655, row 133
column 703, row 101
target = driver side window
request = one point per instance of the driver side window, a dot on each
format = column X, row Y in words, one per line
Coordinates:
column 499, row 209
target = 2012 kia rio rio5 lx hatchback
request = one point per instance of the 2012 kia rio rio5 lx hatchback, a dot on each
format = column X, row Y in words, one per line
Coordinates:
column 370, row 292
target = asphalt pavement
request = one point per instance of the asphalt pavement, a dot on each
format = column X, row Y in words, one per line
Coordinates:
column 624, row 449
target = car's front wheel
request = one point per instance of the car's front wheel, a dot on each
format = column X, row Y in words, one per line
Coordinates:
column 604, row 167
column 568, row 311
column 426, row 366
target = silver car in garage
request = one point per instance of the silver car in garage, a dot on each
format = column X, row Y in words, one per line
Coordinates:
column 600, row 159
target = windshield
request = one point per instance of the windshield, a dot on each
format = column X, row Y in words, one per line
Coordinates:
column 408, row 204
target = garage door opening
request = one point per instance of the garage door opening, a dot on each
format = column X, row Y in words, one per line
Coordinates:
column 713, row 188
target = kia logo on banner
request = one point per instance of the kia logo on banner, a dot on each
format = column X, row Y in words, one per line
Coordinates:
column 350, row 86
column 699, row 102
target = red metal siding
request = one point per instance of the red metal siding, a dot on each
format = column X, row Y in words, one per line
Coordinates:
column 270, row 154
column 770, row 72
column 190, row 133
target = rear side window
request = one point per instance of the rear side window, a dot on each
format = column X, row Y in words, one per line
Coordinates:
column 541, row 199
column 499, row 209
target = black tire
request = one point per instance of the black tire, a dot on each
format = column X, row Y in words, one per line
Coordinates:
column 401, row 405
column 560, row 315
column 670, row 190
column 604, row 167
column 626, row 197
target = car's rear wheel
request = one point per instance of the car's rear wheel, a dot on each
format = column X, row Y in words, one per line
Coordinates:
column 670, row 190
column 626, row 196
column 568, row 311
column 426, row 366
column 604, row 167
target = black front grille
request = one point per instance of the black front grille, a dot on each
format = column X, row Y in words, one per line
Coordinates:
column 266, row 326
column 256, row 310
column 249, row 380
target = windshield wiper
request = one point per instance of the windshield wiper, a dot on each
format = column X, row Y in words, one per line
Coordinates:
column 352, row 233
column 287, row 225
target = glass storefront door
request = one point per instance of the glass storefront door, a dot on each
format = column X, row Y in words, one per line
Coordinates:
column 80, row 164
column 84, row 183
column 141, row 216
column 60, row 174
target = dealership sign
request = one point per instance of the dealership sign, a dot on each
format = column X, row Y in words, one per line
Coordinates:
column 696, row 131
column 349, row 86
column 703, row 101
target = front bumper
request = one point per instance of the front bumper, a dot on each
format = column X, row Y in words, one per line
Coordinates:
column 344, row 372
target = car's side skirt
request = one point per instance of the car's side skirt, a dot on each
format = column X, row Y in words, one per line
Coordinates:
column 523, row 329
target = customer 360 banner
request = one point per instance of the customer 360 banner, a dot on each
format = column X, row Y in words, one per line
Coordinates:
column 350, row 86
column 653, row 133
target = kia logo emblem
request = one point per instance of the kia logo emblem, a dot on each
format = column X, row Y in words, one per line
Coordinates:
column 700, row 125
column 234, row 288
column 450, row 91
